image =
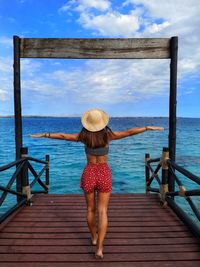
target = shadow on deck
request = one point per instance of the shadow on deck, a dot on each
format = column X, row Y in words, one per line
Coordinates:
column 53, row 232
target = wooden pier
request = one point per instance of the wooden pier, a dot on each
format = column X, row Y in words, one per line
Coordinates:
column 141, row 233
column 53, row 232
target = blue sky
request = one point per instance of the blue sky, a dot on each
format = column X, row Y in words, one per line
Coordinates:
column 120, row 87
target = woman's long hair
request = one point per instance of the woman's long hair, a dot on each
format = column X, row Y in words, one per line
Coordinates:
column 95, row 139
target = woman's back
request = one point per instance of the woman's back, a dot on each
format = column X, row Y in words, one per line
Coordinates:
column 97, row 155
column 96, row 144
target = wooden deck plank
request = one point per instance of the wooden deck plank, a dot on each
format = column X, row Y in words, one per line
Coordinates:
column 81, row 202
column 109, row 264
column 53, row 232
column 122, row 213
column 106, row 264
column 114, row 241
column 162, row 219
column 127, row 229
column 112, row 218
column 66, row 224
column 85, row 235
column 81, row 196
column 108, row 249
column 47, row 208
column 87, row 257
column 68, row 211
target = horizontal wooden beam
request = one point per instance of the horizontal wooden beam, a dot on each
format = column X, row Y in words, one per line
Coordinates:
column 90, row 48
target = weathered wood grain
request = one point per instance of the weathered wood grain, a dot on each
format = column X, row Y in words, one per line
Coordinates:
column 91, row 48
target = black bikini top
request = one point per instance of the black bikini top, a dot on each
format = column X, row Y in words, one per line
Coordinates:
column 100, row 151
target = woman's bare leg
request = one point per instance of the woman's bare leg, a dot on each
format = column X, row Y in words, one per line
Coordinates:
column 90, row 201
column 103, row 201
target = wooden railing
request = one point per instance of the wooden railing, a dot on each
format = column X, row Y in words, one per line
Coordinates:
column 168, row 197
column 23, row 190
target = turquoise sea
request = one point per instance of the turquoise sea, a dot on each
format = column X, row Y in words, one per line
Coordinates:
column 126, row 157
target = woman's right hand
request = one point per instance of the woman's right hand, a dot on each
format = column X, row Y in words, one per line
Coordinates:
column 154, row 128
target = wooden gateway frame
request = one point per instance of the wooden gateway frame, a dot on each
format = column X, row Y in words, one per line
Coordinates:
column 98, row 48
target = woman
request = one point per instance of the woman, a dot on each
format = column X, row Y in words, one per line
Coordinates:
column 96, row 135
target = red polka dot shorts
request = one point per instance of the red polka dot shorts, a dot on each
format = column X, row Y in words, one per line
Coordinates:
column 96, row 176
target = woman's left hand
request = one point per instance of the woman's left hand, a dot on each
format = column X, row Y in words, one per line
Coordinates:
column 154, row 128
column 36, row 135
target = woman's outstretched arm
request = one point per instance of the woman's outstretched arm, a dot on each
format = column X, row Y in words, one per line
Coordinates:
column 62, row 136
column 133, row 131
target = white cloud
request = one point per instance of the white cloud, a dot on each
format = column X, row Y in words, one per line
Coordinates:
column 5, row 65
column 3, row 95
column 6, row 42
column 87, row 4
column 187, row 65
column 30, row 67
column 83, row 5
column 111, row 23
column 174, row 11
column 5, row 78
column 155, row 28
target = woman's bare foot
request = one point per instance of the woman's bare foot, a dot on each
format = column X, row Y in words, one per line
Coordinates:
column 94, row 240
column 99, row 254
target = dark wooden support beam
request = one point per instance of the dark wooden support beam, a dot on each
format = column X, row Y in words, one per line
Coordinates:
column 17, row 96
column 172, row 105
column 17, row 109
column 47, row 158
column 25, row 179
column 147, row 171
column 164, row 187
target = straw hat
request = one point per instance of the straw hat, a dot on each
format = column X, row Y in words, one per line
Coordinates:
column 94, row 119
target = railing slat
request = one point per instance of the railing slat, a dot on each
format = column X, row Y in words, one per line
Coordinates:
column 184, row 172
column 3, row 196
column 10, row 165
column 37, row 176
column 184, row 217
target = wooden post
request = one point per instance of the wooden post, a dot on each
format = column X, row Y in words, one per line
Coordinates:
column 147, row 171
column 17, row 96
column 24, row 175
column 164, row 185
column 172, row 105
column 47, row 171
column 17, row 108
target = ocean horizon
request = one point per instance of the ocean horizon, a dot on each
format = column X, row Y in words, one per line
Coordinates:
column 79, row 116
